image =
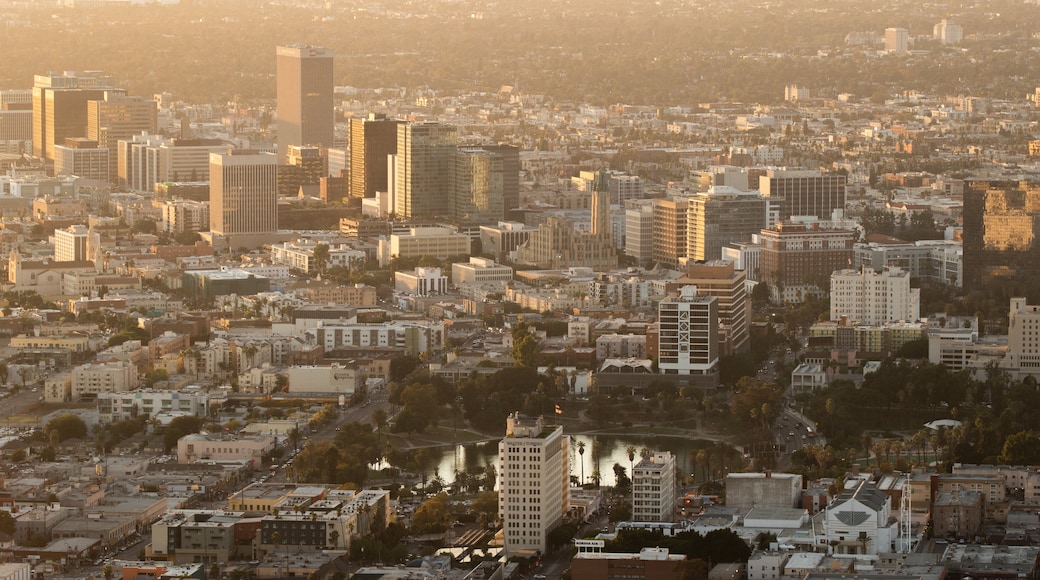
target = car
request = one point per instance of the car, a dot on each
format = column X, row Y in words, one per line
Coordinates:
column 790, row 433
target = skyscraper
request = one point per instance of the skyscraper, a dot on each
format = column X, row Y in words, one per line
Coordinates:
column 371, row 141
column 243, row 192
column 1001, row 221
column 305, row 100
column 670, row 230
column 722, row 216
column 722, row 280
column 653, row 488
column 477, row 195
column 425, row 169
column 600, row 205
column 534, row 488
column 60, row 107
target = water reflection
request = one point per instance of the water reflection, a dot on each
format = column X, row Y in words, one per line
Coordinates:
column 601, row 453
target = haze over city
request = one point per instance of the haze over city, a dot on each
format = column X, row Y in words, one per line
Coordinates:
column 519, row 290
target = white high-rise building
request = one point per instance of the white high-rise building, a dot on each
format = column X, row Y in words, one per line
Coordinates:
column 534, row 488
column 897, row 39
column 1023, row 354
column 639, row 230
column 653, row 488
column 869, row 297
column 688, row 343
column 70, row 244
column 947, row 32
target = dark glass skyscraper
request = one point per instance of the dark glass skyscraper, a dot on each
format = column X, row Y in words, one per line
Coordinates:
column 1001, row 230
column 305, row 103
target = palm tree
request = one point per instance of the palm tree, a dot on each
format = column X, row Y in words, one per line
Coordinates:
column 581, row 453
column 334, row 538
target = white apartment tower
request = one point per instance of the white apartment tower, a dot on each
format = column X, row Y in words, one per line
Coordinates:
column 653, row 488
column 534, row 488
column 947, row 32
column 866, row 296
column 688, row 343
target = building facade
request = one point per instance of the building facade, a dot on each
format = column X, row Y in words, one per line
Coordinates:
column 688, row 343
column 534, row 483
column 721, row 216
column 243, row 192
column 372, row 140
column 868, row 297
column 653, row 488
column 804, row 192
column 798, row 260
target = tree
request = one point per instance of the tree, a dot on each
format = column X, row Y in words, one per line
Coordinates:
column 321, row 258
column 1022, row 448
column 525, row 350
column 179, row 427
column 486, row 505
column 379, row 418
column 67, row 426
column 6, row 523
column 581, row 454
column 432, row 515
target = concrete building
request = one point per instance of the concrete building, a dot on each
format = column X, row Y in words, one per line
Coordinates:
column 421, row 282
column 60, row 107
column 869, row 297
column 653, row 488
column 90, row 379
column 299, row 255
column 120, row 406
column 434, row 242
column 639, row 230
column 803, row 192
column 958, row 515
column 946, row 32
column 1000, row 217
column 182, row 215
column 721, row 216
column 648, row 564
column 557, row 244
column 745, row 491
column 83, row 158
column 201, row 447
column 306, row 114
column 480, row 271
column 411, row 337
column 302, row 171
column 243, row 192
column 897, row 40
column 938, row 261
column 688, row 343
column 620, row 346
column 71, row 244
column 146, row 161
column 669, row 223
column 503, row 239
column 1023, row 353
column 335, row 380
column 534, row 483
column 766, row 565
column 797, row 260
column 722, row 280
column 207, row 284
column 15, row 571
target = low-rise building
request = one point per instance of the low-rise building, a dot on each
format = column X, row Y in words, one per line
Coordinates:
column 958, row 515
column 112, row 376
column 207, row 447
column 480, row 270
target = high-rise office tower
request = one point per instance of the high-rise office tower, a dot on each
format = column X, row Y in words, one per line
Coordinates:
column 1001, row 221
column 16, row 120
column 371, row 141
column 670, row 230
column 897, row 39
column 534, row 483
column 477, row 195
column 243, row 196
column 145, row 160
column 653, row 488
column 721, row 216
column 60, row 107
column 804, row 192
column 306, row 114
column 425, row 169
column 510, row 155
column 117, row 117
column 688, row 339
